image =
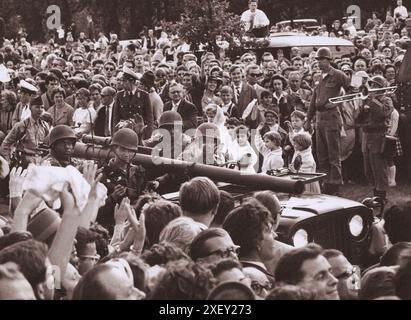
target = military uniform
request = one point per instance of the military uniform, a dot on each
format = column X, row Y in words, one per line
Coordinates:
column 374, row 122
column 128, row 104
column 328, row 124
column 26, row 136
column 132, row 179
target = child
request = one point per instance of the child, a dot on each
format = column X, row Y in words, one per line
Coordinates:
column 302, row 145
column 295, row 127
column 242, row 152
column 84, row 115
column 228, row 106
column 270, row 147
column 254, row 113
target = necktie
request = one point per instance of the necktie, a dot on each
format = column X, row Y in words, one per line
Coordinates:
column 252, row 21
column 107, row 130
column 237, row 91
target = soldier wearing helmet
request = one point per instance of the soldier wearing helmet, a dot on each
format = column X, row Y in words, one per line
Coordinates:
column 374, row 120
column 62, row 140
column 328, row 120
column 120, row 176
column 169, row 139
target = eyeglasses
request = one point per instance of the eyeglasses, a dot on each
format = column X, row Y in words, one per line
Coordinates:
column 77, row 61
column 226, row 253
column 174, row 92
column 258, row 287
column 109, row 69
column 255, row 75
column 248, row 60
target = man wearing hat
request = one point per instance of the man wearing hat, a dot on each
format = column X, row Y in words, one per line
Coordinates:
column 132, row 101
column 22, row 111
column 328, row 120
column 104, row 125
column 26, row 136
column 187, row 110
column 62, row 140
column 147, row 81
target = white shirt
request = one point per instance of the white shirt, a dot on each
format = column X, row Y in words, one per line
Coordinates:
column 83, row 118
column 260, row 19
column 110, row 115
column 25, row 113
column 402, row 11
column 175, row 105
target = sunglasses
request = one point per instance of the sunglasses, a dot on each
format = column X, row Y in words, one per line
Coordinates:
column 247, row 60
column 226, row 253
column 109, row 69
column 77, row 61
column 255, row 75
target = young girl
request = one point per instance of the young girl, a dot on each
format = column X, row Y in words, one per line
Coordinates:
column 84, row 116
column 294, row 128
column 302, row 145
column 270, row 147
column 254, row 113
column 242, row 152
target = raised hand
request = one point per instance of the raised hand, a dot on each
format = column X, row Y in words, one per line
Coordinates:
column 17, row 177
column 120, row 211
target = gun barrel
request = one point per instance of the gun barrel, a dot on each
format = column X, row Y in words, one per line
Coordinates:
column 254, row 181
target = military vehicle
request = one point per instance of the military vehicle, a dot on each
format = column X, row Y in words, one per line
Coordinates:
column 330, row 221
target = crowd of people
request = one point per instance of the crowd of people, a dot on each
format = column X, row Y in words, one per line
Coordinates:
column 85, row 230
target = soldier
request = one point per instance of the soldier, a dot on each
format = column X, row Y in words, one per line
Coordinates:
column 132, row 101
column 22, row 111
column 62, row 140
column 328, row 121
column 121, row 178
column 374, row 120
column 26, row 136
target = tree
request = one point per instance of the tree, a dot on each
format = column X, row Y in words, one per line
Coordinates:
column 202, row 21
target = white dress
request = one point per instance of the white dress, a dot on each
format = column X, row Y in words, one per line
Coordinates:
column 308, row 166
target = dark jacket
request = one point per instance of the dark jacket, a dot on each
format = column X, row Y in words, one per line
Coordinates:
column 187, row 111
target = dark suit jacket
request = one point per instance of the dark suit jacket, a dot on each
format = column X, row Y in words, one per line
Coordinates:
column 100, row 122
column 126, row 107
column 247, row 95
column 187, row 111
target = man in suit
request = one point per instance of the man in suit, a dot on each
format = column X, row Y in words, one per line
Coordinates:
column 104, row 125
column 186, row 109
column 243, row 92
column 254, row 75
column 132, row 101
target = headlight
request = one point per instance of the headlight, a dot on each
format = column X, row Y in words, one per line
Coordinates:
column 300, row 238
column 356, row 225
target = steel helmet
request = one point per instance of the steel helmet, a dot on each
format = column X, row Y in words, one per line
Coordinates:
column 170, row 118
column 208, row 130
column 61, row 132
column 125, row 138
column 324, row 52
column 379, row 80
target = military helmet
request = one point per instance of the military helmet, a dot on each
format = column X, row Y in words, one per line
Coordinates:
column 379, row 81
column 170, row 118
column 61, row 132
column 125, row 138
column 208, row 130
column 324, row 52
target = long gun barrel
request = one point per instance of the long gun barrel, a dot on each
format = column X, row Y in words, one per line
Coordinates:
column 254, row 181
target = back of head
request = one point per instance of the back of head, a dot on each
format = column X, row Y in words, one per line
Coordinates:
column 157, row 215
column 199, row 196
column 184, row 280
column 90, row 286
column 181, row 232
column 162, row 253
column 398, row 223
column 30, row 256
column 269, row 200
column 288, row 269
column 377, row 283
column 231, row 291
column 402, row 280
column 225, row 205
column 394, row 255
